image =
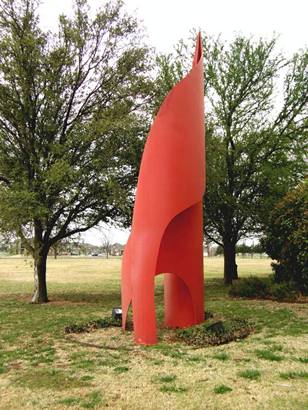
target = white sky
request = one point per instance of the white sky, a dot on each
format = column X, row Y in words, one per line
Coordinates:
column 167, row 21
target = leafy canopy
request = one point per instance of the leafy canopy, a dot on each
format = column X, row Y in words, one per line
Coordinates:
column 256, row 105
column 71, row 129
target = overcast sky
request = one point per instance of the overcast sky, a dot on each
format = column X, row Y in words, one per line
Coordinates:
column 167, row 21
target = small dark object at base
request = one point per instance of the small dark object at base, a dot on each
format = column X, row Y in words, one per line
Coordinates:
column 117, row 313
column 208, row 314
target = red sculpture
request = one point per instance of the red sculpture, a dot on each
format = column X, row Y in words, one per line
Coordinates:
column 166, row 234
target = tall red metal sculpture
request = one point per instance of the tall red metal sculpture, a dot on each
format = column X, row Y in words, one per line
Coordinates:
column 166, row 234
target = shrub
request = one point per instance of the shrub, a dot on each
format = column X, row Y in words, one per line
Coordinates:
column 286, row 238
column 285, row 291
column 252, row 287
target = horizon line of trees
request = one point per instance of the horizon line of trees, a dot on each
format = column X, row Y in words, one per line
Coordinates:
column 243, row 249
column 14, row 247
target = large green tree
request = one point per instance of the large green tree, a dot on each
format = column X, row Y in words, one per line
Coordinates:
column 70, row 125
column 256, row 121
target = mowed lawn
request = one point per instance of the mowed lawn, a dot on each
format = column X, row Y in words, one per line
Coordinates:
column 41, row 367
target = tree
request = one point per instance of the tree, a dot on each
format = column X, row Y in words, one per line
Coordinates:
column 106, row 239
column 286, row 238
column 71, row 131
column 253, row 153
column 65, row 245
column 254, row 145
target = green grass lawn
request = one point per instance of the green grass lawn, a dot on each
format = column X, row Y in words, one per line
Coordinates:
column 41, row 367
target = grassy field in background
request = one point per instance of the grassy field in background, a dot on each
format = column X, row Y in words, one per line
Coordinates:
column 41, row 367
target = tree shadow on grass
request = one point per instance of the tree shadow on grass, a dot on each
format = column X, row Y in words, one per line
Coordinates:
column 107, row 298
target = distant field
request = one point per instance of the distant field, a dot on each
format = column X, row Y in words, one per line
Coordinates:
column 43, row 368
column 82, row 269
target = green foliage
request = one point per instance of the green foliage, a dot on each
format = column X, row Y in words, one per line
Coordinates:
column 255, row 287
column 253, row 156
column 285, row 291
column 294, row 375
column 173, row 389
column 246, row 151
column 71, row 128
column 286, row 238
column 167, row 378
column 214, row 333
column 92, row 400
column 250, row 287
column 44, row 378
column 268, row 355
column 121, row 369
column 70, row 401
column 250, row 374
column 222, row 356
column 242, row 248
column 221, row 389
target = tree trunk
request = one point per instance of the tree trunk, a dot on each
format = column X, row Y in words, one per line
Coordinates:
column 230, row 266
column 40, row 286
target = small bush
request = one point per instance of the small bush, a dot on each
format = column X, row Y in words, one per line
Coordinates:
column 284, row 291
column 286, row 238
column 254, row 287
column 217, row 333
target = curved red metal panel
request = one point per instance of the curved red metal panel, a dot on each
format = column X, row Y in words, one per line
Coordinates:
column 166, row 234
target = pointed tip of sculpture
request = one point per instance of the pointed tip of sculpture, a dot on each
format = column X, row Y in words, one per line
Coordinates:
column 198, row 49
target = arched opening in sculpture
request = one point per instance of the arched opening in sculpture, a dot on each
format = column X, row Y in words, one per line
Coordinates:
column 179, row 313
column 165, row 313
